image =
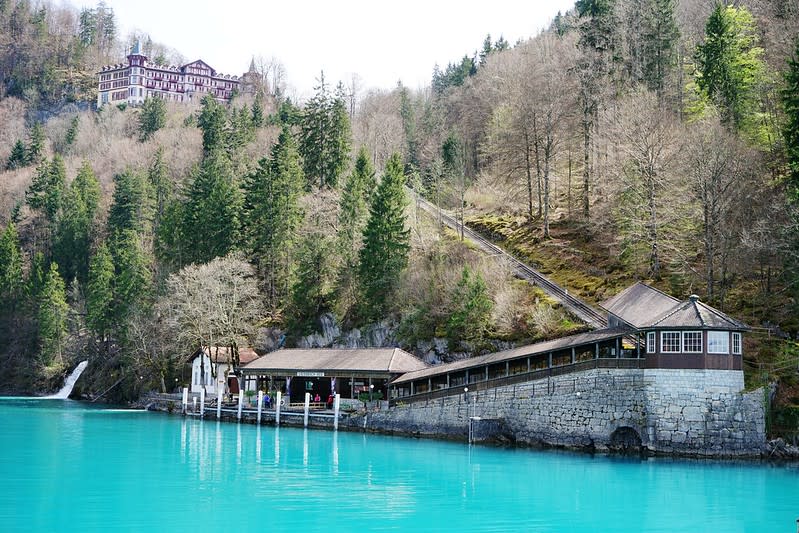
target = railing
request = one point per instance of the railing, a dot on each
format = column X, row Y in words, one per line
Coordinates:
column 524, row 377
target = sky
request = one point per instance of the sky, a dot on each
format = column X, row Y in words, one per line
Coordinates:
column 382, row 42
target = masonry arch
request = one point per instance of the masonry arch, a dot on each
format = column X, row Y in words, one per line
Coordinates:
column 626, row 440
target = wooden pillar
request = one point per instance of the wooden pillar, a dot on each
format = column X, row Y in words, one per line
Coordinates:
column 596, row 350
column 574, row 355
column 528, row 364
column 448, row 381
column 549, row 360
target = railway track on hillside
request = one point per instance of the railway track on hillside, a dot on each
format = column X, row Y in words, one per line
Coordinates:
column 579, row 308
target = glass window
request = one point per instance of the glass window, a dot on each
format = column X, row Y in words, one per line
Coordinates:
column 718, row 342
column 651, row 343
column 692, row 341
column 670, row 341
column 736, row 343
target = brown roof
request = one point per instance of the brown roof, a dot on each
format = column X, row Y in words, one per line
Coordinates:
column 695, row 314
column 514, row 353
column 219, row 354
column 367, row 360
column 639, row 305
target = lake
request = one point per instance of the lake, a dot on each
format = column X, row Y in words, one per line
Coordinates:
column 70, row 466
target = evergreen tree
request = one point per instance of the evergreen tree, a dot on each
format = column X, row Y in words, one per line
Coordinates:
column 74, row 233
column 386, row 243
column 311, row 293
column 11, row 276
column 212, row 210
column 152, row 117
column 212, row 120
column 18, row 157
column 36, row 276
column 100, row 292
column 48, row 187
column 160, row 185
column 273, row 216
column 352, row 217
column 35, row 150
column 53, row 316
column 790, row 101
column 257, row 110
column 133, row 278
column 72, row 132
column 729, row 64
column 471, row 309
column 325, row 137
column 130, row 206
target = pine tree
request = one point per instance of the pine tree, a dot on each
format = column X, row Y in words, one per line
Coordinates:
column 470, row 318
column 212, row 210
column 212, row 120
column 11, row 276
column 338, row 157
column 100, row 292
column 314, row 130
column 386, row 243
column 258, row 111
column 131, row 207
column 72, row 132
column 35, row 150
column 18, row 157
column 311, row 293
column 790, row 101
column 36, row 277
column 729, row 64
column 133, row 278
column 273, row 216
column 75, row 228
column 160, row 185
column 53, row 316
column 46, row 192
column 152, row 117
column 352, row 217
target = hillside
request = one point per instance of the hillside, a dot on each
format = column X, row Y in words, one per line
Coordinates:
column 620, row 144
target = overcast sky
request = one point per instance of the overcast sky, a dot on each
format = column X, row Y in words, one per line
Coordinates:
column 382, row 42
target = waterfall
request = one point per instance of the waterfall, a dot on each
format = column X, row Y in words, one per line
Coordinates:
column 69, row 383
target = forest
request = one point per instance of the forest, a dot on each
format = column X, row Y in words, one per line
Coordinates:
column 651, row 140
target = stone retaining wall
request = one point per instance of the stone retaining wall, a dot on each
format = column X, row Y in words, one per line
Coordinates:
column 690, row 412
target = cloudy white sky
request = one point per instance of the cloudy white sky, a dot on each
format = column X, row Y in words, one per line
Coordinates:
column 380, row 41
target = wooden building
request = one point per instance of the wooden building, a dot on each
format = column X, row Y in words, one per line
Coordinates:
column 678, row 334
column 211, row 369
column 323, row 371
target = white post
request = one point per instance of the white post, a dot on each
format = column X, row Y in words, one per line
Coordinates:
column 260, row 405
column 278, row 401
column 202, row 403
column 185, row 399
column 307, row 407
column 336, row 403
column 241, row 404
column 219, row 403
column 194, row 404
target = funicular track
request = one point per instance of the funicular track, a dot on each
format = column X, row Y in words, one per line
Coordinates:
column 579, row 308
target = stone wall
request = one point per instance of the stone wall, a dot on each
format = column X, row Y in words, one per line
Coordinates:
column 691, row 412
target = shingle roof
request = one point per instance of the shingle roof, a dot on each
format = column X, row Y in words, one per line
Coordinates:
column 643, row 306
column 371, row 360
column 220, row 354
column 639, row 305
column 695, row 314
column 514, row 353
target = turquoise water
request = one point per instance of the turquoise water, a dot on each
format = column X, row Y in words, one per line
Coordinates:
column 65, row 466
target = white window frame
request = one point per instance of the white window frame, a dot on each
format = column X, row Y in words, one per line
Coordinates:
column 718, row 337
column 697, row 346
column 651, row 342
column 736, row 343
column 663, row 335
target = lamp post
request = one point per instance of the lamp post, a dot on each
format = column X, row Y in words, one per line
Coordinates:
column 371, row 389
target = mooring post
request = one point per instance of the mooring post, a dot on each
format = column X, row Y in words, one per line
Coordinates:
column 336, row 403
column 307, row 407
column 278, row 404
column 194, row 404
column 219, row 403
column 202, row 403
column 185, row 402
column 260, row 405
column 241, row 404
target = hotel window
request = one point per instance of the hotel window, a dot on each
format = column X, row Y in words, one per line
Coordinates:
column 718, row 342
column 670, row 342
column 736, row 343
column 651, row 342
column 692, row 341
